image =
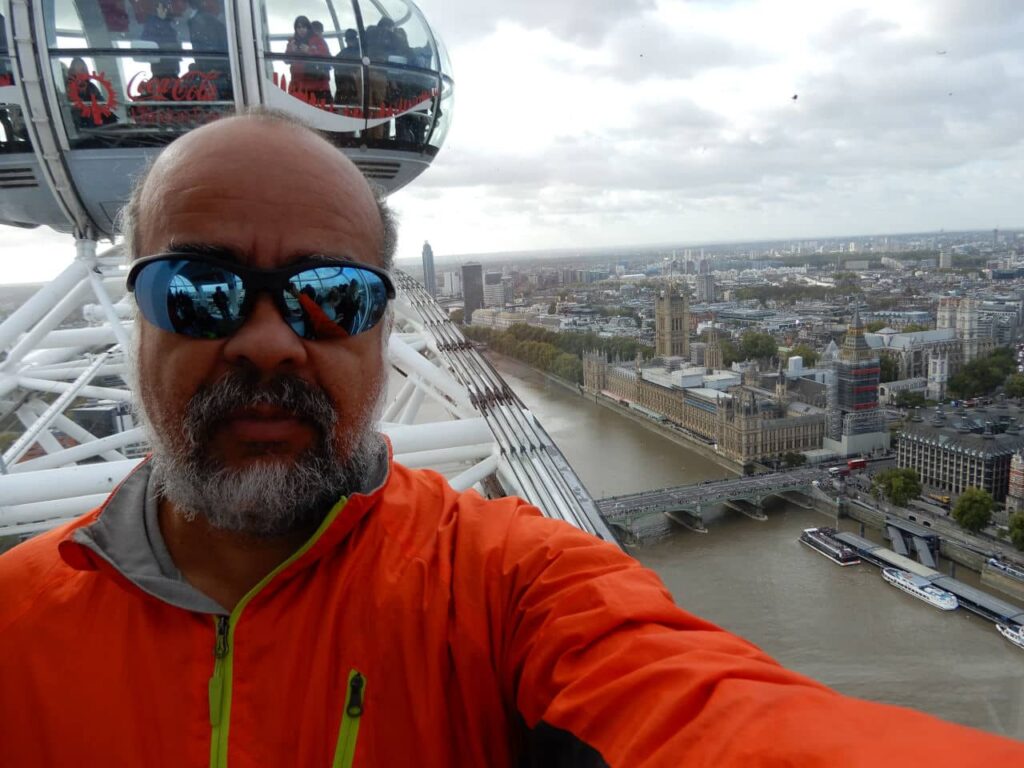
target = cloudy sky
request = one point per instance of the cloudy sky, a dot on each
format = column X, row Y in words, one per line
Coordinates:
column 585, row 123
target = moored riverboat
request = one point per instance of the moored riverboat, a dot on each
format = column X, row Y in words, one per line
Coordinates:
column 1015, row 634
column 921, row 588
column 824, row 542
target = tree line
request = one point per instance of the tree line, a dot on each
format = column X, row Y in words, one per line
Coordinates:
column 560, row 354
column 984, row 375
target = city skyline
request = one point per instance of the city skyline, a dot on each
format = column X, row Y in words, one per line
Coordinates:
column 642, row 124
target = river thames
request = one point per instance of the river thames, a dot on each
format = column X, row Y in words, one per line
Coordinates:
column 842, row 626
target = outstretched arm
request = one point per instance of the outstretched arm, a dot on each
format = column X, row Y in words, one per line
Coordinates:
column 603, row 665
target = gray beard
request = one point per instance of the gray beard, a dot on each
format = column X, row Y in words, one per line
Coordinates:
column 268, row 498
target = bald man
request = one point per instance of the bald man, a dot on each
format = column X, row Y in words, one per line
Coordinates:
column 269, row 588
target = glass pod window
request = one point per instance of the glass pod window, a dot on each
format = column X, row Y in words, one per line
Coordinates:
column 138, row 73
column 373, row 67
column 13, row 132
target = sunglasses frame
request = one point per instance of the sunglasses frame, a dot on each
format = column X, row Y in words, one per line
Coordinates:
column 255, row 281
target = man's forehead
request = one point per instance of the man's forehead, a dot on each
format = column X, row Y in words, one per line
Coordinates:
column 264, row 181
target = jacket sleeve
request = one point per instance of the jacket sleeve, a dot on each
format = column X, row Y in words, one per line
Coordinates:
column 604, row 667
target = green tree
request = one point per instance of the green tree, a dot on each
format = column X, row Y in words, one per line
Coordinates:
column 910, row 400
column 973, row 510
column 730, row 352
column 899, row 485
column 809, row 355
column 755, row 345
column 875, row 326
column 553, row 308
column 1017, row 530
column 1015, row 385
column 890, row 370
column 458, row 316
column 984, row 375
column 792, row 459
column 915, row 327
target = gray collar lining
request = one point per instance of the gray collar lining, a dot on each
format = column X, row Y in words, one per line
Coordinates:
column 132, row 544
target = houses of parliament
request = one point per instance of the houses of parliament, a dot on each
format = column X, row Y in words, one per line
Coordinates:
column 742, row 413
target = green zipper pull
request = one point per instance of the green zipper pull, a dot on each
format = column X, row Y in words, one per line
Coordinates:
column 220, row 652
column 348, row 732
column 355, row 696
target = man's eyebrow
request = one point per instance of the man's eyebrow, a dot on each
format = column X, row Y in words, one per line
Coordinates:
column 206, row 249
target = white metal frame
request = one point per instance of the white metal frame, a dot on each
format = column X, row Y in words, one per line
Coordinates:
column 453, row 413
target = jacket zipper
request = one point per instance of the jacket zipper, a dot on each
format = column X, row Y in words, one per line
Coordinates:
column 348, row 732
column 224, row 643
column 221, row 652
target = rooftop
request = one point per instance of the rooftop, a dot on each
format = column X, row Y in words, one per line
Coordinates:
column 889, row 339
column 993, row 430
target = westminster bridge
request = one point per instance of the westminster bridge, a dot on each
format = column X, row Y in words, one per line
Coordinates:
column 644, row 515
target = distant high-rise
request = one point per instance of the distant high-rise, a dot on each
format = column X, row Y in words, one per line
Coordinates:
column 451, row 283
column 429, row 278
column 706, row 288
column 472, row 288
column 494, row 290
column 672, row 323
column 945, row 259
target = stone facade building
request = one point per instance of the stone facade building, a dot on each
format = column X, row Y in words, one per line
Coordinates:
column 855, row 421
column 672, row 323
column 713, row 359
column 912, row 352
column 972, row 448
column 744, row 424
column 1015, row 491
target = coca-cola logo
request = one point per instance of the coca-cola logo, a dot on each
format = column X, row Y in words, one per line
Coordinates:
column 194, row 86
column 94, row 103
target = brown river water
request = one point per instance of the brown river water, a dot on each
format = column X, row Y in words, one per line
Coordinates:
column 842, row 626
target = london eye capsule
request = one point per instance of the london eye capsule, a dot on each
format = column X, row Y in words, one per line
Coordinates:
column 91, row 90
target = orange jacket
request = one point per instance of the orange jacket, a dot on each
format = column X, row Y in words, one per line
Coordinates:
column 418, row 627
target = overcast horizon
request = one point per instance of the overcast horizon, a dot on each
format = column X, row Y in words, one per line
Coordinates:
column 639, row 123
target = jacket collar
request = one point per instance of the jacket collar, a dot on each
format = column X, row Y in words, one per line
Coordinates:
column 123, row 536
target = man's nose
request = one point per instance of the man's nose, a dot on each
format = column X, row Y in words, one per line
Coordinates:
column 265, row 341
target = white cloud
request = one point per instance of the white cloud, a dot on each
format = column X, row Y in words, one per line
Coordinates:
column 907, row 117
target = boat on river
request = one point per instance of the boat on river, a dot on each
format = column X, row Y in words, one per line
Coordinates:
column 1015, row 633
column 921, row 588
column 824, row 542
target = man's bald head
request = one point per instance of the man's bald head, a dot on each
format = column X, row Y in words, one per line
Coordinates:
column 246, row 141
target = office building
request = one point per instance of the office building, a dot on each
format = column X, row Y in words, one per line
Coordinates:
column 451, row 284
column 706, row 288
column 494, row 290
column 472, row 289
column 429, row 278
column 970, row 449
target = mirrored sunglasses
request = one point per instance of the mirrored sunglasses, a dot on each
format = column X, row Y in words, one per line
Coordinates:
column 205, row 297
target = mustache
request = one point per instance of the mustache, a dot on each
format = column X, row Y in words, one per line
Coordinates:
column 238, row 390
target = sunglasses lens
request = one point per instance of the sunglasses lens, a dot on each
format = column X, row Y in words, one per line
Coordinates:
column 189, row 297
column 334, row 302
